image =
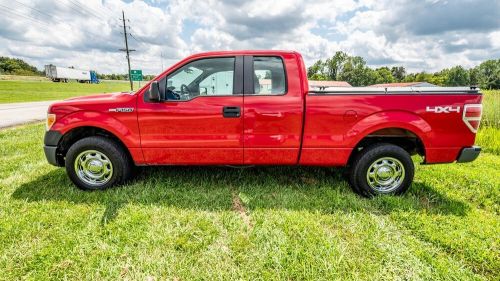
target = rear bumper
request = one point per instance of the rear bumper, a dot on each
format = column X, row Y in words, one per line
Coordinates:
column 468, row 154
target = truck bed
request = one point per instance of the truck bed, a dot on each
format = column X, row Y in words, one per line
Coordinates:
column 338, row 118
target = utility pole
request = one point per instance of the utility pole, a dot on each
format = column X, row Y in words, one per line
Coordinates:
column 161, row 54
column 127, row 50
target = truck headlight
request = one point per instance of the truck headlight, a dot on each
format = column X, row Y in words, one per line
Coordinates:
column 51, row 119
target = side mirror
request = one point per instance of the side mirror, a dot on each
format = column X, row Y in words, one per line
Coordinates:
column 154, row 91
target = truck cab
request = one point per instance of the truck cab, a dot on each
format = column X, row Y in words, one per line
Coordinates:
column 225, row 108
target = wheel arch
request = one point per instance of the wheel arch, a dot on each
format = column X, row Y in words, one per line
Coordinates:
column 75, row 134
column 394, row 135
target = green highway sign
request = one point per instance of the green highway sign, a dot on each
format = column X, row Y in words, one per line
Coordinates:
column 136, row 74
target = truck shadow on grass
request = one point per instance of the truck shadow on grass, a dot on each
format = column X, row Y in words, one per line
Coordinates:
column 213, row 189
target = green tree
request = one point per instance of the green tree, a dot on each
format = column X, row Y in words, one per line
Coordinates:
column 474, row 76
column 489, row 74
column 384, row 75
column 398, row 72
column 318, row 77
column 355, row 72
column 410, row 77
column 335, row 64
column 341, row 66
column 17, row 67
column 423, row 77
column 316, row 69
column 457, row 76
column 439, row 78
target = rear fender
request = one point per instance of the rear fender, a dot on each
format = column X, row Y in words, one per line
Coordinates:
column 388, row 119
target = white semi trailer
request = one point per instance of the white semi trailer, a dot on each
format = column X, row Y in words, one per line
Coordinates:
column 64, row 74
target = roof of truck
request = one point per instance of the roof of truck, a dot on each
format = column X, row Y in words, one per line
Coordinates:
column 242, row 52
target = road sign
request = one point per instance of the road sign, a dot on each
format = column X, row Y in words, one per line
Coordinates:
column 136, row 74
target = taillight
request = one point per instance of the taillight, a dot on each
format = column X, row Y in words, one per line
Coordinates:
column 472, row 116
column 51, row 119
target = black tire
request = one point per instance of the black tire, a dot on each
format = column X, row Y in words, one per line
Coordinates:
column 114, row 155
column 386, row 160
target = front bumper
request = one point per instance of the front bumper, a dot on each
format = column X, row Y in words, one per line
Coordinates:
column 468, row 154
column 50, row 154
column 51, row 141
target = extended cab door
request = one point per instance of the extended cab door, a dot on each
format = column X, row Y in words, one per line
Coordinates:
column 199, row 120
column 272, row 109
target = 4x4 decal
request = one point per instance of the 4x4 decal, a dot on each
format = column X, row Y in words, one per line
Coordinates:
column 443, row 109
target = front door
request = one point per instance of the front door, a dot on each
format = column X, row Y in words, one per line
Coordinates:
column 272, row 110
column 200, row 118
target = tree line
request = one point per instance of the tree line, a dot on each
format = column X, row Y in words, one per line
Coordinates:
column 122, row 77
column 353, row 69
column 340, row 67
column 14, row 66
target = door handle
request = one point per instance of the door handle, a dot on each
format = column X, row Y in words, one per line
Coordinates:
column 231, row 111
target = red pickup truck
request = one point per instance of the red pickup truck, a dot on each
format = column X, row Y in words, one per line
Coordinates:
column 256, row 108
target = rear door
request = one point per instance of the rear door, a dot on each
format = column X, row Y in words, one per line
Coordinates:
column 200, row 121
column 272, row 110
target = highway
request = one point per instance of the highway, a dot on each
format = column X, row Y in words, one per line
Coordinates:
column 12, row 114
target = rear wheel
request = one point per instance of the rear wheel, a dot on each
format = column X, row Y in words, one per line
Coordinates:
column 381, row 169
column 96, row 163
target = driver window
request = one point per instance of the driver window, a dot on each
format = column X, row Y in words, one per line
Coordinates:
column 207, row 77
column 219, row 83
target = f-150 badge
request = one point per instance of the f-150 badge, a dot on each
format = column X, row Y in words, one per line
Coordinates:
column 122, row 109
column 443, row 109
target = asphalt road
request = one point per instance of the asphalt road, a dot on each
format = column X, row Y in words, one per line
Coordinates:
column 12, row 114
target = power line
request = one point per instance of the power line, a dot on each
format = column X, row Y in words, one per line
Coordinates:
column 92, row 10
column 84, row 10
column 33, row 8
column 44, row 23
column 107, row 8
column 8, row 10
column 48, row 26
column 138, row 40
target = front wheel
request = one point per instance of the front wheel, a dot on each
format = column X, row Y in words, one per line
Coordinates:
column 95, row 163
column 381, row 169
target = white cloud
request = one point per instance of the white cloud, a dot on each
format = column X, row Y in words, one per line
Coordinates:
column 420, row 36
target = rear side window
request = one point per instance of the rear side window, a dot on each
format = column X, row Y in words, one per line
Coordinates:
column 269, row 76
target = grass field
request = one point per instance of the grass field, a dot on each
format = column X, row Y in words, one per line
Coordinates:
column 488, row 135
column 22, row 78
column 184, row 223
column 25, row 91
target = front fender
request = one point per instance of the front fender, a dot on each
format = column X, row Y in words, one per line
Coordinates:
column 388, row 119
column 125, row 129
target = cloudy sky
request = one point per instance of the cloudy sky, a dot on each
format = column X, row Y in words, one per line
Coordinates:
column 420, row 35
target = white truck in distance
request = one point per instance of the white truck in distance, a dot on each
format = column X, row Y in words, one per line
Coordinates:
column 64, row 74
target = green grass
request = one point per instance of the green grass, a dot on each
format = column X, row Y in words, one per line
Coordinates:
column 491, row 109
column 488, row 135
column 489, row 139
column 282, row 223
column 26, row 91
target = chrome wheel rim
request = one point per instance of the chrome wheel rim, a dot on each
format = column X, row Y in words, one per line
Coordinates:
column 385, row 174
column 93, row 167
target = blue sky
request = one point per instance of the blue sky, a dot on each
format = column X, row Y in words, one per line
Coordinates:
column 420, row 35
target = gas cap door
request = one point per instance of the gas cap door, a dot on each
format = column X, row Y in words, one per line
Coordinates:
column 350, row 115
